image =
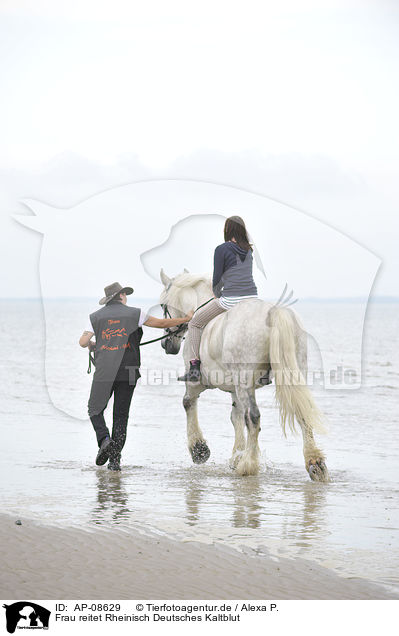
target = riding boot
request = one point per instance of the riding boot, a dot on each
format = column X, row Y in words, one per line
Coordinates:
column 106, row 447
column 193, row 374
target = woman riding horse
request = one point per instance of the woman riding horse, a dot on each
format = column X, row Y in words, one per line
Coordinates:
column 232, row 282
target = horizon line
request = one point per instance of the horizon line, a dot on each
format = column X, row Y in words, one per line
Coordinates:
column 379, row 298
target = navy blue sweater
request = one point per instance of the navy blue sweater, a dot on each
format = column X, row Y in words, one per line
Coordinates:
column 232, row 271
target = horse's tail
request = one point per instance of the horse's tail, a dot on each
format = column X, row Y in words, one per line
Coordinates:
column 292, row 394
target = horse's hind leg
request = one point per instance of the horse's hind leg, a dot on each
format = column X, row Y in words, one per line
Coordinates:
column 248, row 463
column 315, row 461
column 238, row 420
column 196, row 444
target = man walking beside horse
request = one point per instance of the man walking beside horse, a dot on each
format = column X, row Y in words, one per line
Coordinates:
column 117, row 330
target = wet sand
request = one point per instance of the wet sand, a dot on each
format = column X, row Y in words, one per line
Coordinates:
column 46, row 562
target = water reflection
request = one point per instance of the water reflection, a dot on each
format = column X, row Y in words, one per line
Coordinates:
column 112, row 498
column 297, row 512
column 270, row 507
column 248, row 506
column 314, row 516
column 276, row 508
column 194, row 493
column 245, row 493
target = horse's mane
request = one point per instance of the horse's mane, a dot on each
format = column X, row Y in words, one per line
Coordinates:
column 190, row 280
column 181, row 281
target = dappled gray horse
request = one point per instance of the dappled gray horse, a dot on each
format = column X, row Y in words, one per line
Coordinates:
column 237, row 347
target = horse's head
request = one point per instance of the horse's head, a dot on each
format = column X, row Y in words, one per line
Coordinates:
column 172, row 343
column 180, row 295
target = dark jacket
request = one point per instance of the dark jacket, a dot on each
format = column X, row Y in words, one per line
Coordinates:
column 232, row 271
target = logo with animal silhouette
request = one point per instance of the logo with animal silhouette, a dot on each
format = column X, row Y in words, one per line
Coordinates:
column 26, row 615
column 107, row 334
column 290, row 246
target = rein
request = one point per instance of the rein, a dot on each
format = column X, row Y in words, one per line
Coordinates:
column 180, row 328
column 166, row 313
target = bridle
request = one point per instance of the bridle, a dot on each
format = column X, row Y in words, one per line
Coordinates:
column 171, row 331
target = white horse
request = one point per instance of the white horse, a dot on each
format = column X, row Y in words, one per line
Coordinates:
column 237, row 347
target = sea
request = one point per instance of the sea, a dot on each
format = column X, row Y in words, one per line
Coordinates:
column 48, row 473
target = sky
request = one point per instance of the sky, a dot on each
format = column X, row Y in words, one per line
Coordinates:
column 295, row 100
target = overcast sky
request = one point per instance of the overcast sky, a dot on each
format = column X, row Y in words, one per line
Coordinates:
column 297, row 100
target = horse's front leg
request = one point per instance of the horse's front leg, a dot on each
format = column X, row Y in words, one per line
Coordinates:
column 248, row 463
column 238, row 420
column 196, row 444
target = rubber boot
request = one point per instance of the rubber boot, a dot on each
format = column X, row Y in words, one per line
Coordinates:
column 114, row 462
column 106, row 448
column 114, row 459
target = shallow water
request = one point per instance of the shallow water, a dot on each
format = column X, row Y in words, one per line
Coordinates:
column 350, row 524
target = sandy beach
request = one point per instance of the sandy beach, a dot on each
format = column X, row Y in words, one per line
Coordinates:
column 63, row 563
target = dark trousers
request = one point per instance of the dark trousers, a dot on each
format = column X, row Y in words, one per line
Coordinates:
column 123, row 393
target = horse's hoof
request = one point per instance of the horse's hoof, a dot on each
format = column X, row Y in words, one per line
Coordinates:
column 317, row 470
column 234, row 459
column 247, row 466
column 200, row 452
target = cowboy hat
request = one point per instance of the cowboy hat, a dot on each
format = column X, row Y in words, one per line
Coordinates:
column 113, row 290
